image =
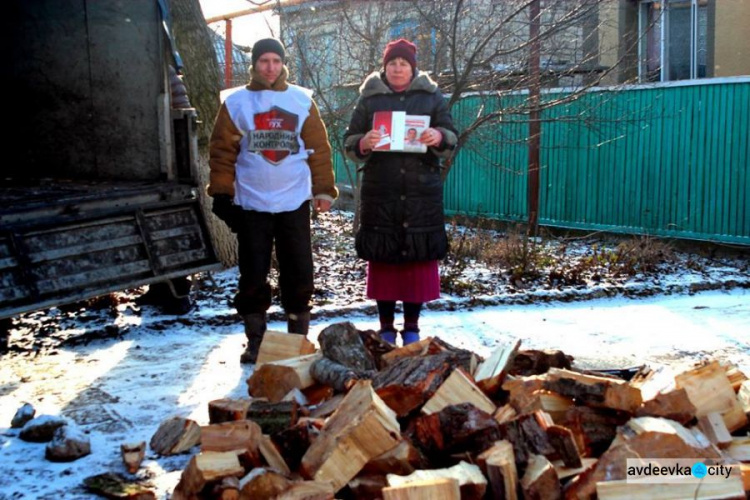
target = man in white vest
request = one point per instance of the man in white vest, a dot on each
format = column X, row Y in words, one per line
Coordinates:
column 270, row 158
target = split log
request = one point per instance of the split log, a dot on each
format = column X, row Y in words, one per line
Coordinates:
column 736, row 376
column 227, row 410
column 240, row 435
column 271, row 454
column 540, row 480
column 714, row 428
column 274, row 380
column 110, row 485
column 628, row 490
column 175, row 435
column 317, row 393
column 523, row 392
column 297, row 396
column 409, row 382
column 674, row 404
column 528, row 437
column 654, row 381
column 739, row 449
column 337, row 375
column 362, row 428
column 327, row 408
column 376, row 346
column 641, row 437
column 428, row 489
column 743, row 397
column 471, row 481
column 424, row 347
column 204, row 470
column 564, row 443
column 458, row 388
column 505, row 414
column 490, row 374
column 342, row 344
column 594, row 429
column 293, row 442
column 277, row 346
column 274, row 417
column 262, row 483
column 307, row 490
column 402, row 460
column 454, row 429
column 132, row 455
column 745, row 473
column 368, row 486
column 564, row 472
column 500, row 465
column 709, row 390
column 594, row 391
column 534, row 362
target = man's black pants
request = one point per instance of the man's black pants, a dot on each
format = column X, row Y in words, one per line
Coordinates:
column 290, row 231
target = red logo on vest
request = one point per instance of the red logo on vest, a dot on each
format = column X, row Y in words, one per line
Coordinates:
column 275, row 134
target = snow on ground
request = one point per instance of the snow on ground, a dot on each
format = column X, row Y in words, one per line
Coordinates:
column 120, row 390
column 119, row 370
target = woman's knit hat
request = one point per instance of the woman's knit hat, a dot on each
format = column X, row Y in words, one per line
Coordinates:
column 401, row 48
column 268, row 45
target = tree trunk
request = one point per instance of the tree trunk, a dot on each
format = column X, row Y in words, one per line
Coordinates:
column 202, row 78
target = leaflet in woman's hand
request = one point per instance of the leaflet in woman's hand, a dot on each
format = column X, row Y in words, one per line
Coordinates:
column 400, row 132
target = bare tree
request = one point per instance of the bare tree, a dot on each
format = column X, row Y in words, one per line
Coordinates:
column 202, row 77
column 481, row 48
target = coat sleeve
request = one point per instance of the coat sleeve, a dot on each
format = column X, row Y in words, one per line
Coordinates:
column 358, row 126
column 443, row 121
column 223, row 151
column 315, row 137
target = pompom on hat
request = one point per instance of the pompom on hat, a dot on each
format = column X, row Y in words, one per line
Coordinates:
column 401, row 48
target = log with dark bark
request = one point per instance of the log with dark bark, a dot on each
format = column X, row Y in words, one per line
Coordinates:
column 409, row 382
column 110, row 485
column 337, row 375
column 454, row 429
column 274, row 417
column 602, row 392
column 534, row 362
column 341, row 343
column 499, row 464
column 368, row 486
column 527, row 436
column 593, row 428
column 376, row 346
column 564, row 443
column 293, row 442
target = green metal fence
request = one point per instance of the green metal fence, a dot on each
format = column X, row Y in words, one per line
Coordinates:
column 668, row 160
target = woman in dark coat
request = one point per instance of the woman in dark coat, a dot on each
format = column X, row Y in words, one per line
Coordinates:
column 402, row 228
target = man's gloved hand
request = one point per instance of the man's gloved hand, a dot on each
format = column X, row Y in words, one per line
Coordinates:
column 227, row 211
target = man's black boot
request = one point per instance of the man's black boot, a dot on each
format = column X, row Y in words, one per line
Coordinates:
column 255, row 327
column 298, row 322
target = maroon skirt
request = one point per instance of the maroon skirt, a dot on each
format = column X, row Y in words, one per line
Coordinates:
column 410, row 282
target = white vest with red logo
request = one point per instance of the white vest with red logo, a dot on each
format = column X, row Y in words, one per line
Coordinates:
column 272, row 174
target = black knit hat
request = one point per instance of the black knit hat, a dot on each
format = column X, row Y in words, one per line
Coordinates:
column 268, row 45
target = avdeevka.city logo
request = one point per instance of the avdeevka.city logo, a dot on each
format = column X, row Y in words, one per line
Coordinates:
column 678, row 470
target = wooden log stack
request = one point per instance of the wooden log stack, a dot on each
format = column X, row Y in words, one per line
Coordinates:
column 362, row 419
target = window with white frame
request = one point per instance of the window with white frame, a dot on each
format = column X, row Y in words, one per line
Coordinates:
column 674, row 40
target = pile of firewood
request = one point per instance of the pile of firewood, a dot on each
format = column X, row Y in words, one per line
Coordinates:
column 363, row 419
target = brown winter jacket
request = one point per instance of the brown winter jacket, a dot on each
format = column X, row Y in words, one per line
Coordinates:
column 225, row 146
